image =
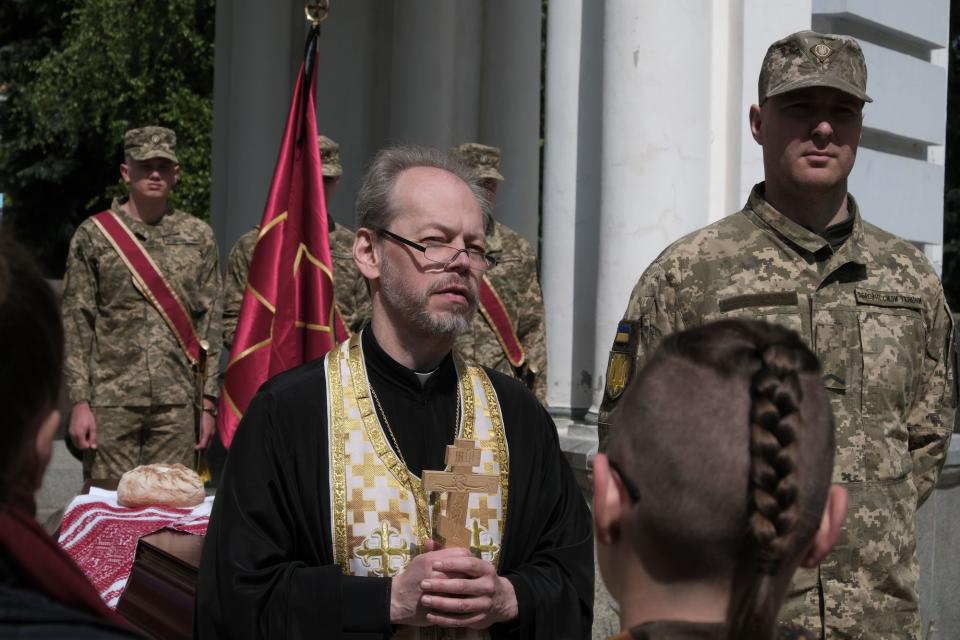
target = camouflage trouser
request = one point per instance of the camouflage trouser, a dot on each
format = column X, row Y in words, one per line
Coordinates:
column 131, row 436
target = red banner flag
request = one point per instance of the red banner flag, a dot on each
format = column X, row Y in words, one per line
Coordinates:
column 288, row 315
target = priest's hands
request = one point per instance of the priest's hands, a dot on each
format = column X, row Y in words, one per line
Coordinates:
column 468, row 594
column 406, row 593
column 451, row 588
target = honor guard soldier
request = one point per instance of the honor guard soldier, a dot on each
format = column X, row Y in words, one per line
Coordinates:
column 866, row 302
column 352, row 298
column 141, row 312
column 509, row 332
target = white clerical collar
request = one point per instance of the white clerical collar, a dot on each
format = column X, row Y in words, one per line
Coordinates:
column 423, row 377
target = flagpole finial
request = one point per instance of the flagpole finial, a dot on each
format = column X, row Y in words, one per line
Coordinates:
column 316, row 11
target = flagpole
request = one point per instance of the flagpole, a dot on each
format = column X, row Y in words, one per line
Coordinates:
column 316, row 11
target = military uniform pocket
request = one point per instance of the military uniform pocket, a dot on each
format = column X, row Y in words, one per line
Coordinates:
column 892, row 342
column 871, row 575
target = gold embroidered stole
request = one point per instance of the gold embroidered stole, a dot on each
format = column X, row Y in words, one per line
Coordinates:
column 380, row 513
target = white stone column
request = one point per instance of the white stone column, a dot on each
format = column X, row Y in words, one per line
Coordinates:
column 656, row 145
column 509, row 107
column 764, row 22
column 353, row 90
column 434, row 85
column 571, row 199
column 259, row 48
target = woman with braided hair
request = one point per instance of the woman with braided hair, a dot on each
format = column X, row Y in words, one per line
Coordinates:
column 716, row 485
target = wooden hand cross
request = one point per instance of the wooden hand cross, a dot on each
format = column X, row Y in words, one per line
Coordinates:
column 459, row 482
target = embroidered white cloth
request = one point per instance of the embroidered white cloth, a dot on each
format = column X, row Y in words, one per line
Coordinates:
column 101, row 536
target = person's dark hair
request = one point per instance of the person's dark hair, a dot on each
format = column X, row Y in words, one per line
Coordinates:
column 31, row 344
column 757, row 419
column 374, row 208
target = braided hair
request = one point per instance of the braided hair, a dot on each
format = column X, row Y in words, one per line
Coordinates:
column 758, row 419
column 775, row 423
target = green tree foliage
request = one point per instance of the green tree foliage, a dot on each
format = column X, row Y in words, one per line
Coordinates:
column 951, row 205
column 104, row 66
column 28, row 31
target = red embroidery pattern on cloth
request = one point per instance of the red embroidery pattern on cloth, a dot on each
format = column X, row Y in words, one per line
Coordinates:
column 102, row 539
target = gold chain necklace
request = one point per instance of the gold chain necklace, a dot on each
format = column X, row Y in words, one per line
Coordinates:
column 393, row 437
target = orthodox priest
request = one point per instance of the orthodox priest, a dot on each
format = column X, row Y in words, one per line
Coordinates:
column 326, row 522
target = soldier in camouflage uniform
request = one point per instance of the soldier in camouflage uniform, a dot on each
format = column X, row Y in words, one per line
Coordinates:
column 130, row 382
column 517, row 283
column 867, row 302
column 350, row 290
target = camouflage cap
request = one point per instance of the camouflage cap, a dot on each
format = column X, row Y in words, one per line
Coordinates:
column 809, row 59
column 481, row 158
column 150, row 142
column 329, row 157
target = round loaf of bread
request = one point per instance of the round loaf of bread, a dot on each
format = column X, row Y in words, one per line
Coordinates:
column 170, row 485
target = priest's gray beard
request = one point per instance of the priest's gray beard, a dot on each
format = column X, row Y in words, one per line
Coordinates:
column 398, row 294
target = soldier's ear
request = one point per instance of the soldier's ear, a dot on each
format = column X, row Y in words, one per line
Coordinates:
column 366, row 253
column 125, row 172
column 756, row 120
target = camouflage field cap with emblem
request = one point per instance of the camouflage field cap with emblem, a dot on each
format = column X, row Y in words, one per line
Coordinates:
column 150, row 142
column 481, row 158
column 809, row 59
column 329, row 157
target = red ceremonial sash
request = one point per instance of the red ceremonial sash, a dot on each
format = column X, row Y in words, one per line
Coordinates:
column 491, row 306
column 151, row 282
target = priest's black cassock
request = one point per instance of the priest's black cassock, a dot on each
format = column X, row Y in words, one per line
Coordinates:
column 268, row 564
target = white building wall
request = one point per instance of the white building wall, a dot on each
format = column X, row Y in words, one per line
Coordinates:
column 898, row 178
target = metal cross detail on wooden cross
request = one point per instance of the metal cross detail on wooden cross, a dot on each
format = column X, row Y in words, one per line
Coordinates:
column 462, row 456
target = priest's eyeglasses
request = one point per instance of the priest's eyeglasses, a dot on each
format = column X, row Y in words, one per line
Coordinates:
column 632, row 491
column 442, row 254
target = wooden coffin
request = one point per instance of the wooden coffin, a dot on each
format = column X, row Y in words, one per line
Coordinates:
column 159, row 596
